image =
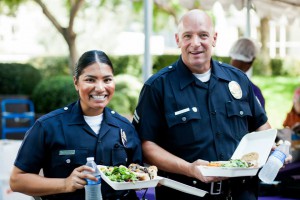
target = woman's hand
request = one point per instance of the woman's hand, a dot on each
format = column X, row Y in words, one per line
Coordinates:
column 76, row 180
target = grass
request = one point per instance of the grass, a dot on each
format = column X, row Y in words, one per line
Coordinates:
column 278, row 93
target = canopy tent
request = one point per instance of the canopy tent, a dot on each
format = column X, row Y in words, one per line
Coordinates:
column 271, row 9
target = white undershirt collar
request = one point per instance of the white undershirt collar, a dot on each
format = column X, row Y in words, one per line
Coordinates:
column 203, row 77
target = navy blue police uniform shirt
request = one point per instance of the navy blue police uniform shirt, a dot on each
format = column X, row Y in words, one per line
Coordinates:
column 60, row 141
column 196, row 120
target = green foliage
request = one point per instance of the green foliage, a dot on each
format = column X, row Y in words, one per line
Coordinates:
column 18, row 78
column 223, row 59
column 291, row 66
column 51, row 65
column 276, row 66
column 127, row 65
column 278, row 92
column 9, row 7
column 53, row 93
column 162, row 61
column 126, row 94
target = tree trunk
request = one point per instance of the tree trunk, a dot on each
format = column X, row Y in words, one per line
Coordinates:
column 264, row 55
column 68, row 32
column 70, row 38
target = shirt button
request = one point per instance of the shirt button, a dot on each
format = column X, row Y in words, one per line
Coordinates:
column 68, row 161
column 194, row 109
column 194, row 182
column 241, row 112
column 112, row 112
column 170, row 67
column 183, row 119
column 66, row 108
column 213, row 112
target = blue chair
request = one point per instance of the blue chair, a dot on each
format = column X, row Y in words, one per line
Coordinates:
column 20, row 111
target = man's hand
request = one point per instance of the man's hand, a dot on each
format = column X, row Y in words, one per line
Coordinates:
column 194, row 171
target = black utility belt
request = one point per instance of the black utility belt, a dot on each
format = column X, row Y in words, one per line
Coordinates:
column 223, row 188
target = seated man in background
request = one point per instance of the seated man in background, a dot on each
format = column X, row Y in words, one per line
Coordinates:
column 242, row 55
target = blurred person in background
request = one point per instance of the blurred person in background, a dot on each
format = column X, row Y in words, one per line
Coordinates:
column 242, row 54
column 60, row 141
column 292, row 119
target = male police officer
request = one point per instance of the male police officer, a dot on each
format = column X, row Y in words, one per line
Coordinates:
column 197, row 110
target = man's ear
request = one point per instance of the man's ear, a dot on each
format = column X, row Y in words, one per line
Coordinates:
column 177, row 40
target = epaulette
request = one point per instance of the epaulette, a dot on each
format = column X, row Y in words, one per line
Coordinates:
column 160, row 73
column 54, row 113
column 118, row 116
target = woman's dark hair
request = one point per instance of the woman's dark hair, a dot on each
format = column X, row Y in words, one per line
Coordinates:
column 89, row 58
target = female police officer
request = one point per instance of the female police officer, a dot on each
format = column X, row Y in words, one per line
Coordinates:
column 60, row 141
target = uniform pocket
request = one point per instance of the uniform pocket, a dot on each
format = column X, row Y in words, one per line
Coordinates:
column 68, row 158
column 182, row 116
column 238, row 108
column 237, row 113
column 183, row 128
column 119, row 155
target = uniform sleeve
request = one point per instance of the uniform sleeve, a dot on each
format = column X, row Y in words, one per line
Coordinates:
column 149, row 119
column 259, row 116
column 31, row 153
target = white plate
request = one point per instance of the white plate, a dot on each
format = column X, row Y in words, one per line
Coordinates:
column 182, row 187
column 260, row 142
column 129, row 185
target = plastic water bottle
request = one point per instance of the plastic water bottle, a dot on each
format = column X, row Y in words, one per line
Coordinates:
column 275, row 161
column 93, row 188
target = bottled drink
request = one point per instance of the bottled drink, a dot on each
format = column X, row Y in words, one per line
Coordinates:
column 275, row 161
column 93, row 188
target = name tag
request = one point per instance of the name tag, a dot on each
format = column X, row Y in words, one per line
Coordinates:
column 182, row 111
column 66, row 152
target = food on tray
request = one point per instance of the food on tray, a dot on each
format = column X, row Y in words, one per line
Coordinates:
column 251, row 158
column 246, row 161
column 144, row 173
column 133, row 173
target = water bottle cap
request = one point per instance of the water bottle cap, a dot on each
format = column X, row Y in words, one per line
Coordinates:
column 90, row 158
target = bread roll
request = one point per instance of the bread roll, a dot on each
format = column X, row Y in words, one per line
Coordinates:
column 251, row 158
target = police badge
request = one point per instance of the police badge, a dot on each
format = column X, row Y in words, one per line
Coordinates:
column 123, row 137
column 235, row 89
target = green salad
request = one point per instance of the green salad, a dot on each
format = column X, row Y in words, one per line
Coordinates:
column 119, row 174
column 235, row 163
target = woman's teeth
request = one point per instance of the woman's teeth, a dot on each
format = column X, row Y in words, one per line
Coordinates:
column 97, row 97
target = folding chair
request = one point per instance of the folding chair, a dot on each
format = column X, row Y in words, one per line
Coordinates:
column 17, row 116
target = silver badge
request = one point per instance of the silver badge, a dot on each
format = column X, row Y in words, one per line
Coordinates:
column 235, row 89
column 123, row 137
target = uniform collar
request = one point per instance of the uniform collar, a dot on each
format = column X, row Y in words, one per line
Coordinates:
column 77, row 115
column 187, row 77
column 218, row 70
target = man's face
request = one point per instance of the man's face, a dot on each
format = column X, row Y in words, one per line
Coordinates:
column 196, row 38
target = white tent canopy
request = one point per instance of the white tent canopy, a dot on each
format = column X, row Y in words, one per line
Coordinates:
column 274, row 9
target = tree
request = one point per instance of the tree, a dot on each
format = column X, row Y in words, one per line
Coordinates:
column 68, row 33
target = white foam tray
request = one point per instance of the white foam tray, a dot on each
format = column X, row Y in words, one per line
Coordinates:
column 153, row 183
column 260, row 142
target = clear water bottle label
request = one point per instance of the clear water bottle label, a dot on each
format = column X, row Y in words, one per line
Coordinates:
column 90, row 182
column 280, row 155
